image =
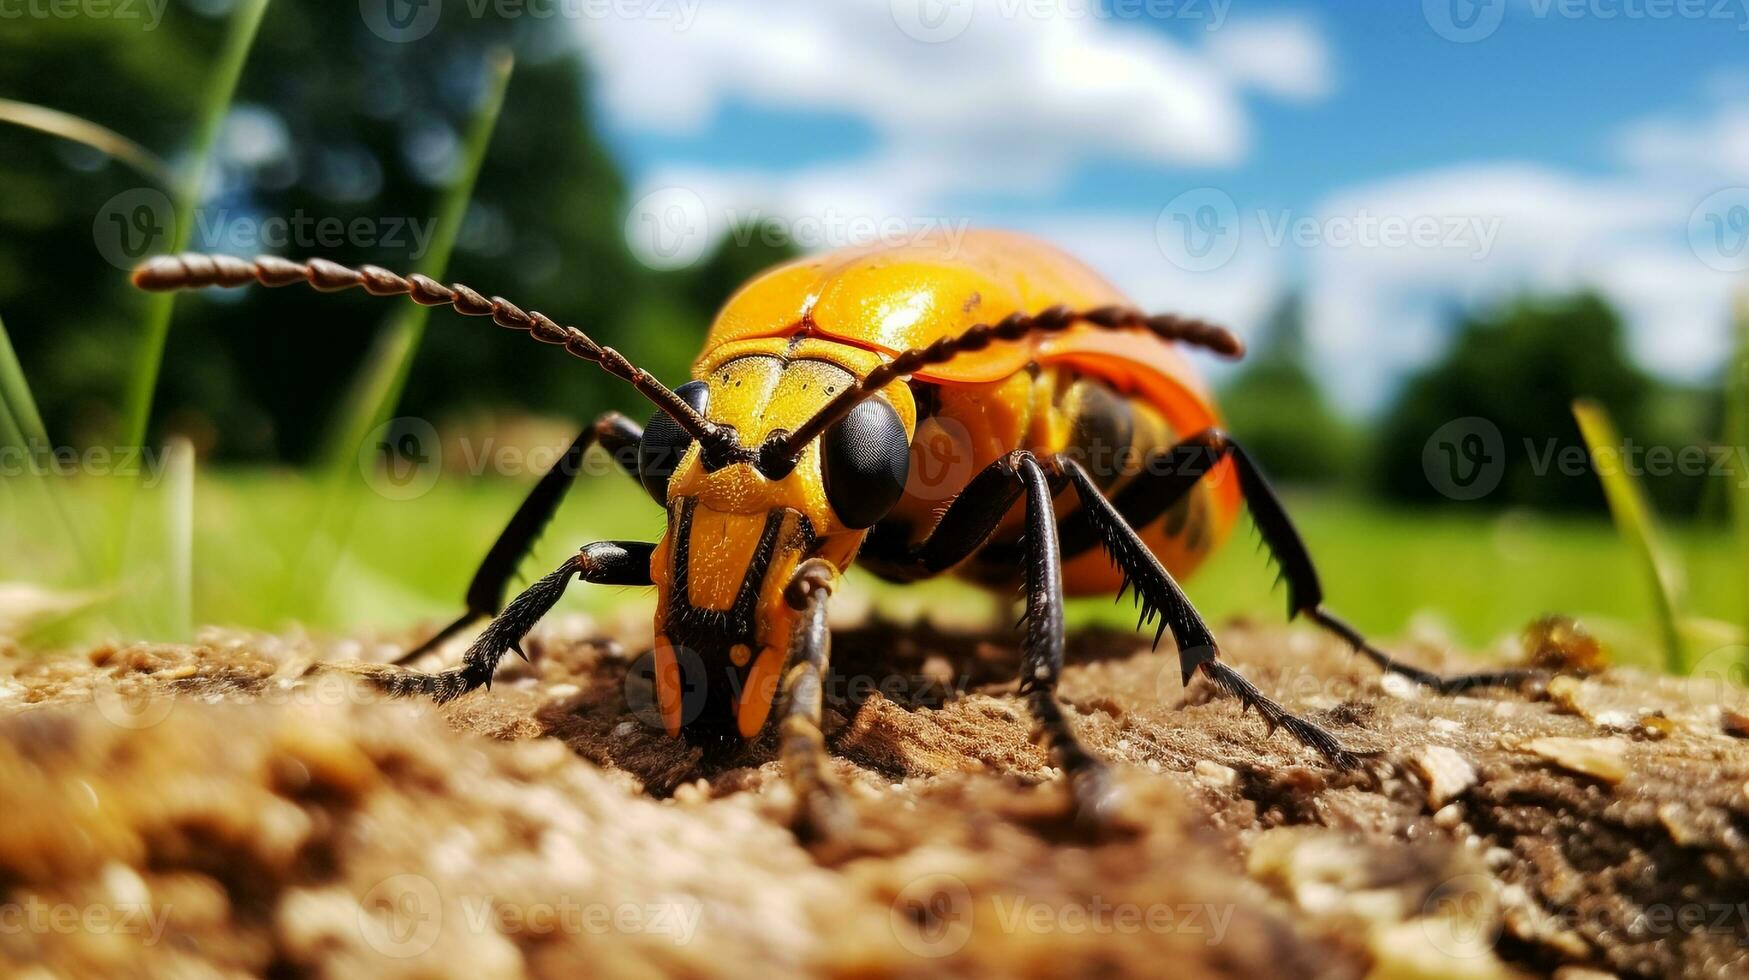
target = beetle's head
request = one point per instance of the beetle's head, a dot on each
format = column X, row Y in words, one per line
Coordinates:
column 737, row 531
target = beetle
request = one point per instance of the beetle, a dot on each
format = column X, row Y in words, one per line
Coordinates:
column 1093, row 462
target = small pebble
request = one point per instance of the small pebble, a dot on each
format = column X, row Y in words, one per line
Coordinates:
column 1444, row 772
column 1734, row 723
column 1599, row 758
column 1215, row 773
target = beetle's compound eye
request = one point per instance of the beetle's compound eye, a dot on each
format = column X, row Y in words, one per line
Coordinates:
column 865, row 459
column 665, row 442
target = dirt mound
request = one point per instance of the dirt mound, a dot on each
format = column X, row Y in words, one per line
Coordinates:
column 223, row 808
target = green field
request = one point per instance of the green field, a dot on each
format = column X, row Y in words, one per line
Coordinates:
column 1470, row 575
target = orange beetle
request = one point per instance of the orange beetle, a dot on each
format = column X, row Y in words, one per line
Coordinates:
column 987, row 407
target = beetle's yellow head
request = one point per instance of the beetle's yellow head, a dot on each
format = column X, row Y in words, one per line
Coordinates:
column 737, row 532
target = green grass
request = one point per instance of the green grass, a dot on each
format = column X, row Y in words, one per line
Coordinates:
column 160, row 307
column 1635, row 524
column 377, row 388
column 1479, row 577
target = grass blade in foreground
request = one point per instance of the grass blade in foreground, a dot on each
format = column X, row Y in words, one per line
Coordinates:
column 1633, row 520
column 85, row 132
column 137, row 410
column 377, row 388
column 1737, row 437
column 24, row 425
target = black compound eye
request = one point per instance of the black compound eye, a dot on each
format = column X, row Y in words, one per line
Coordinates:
column 865, row 459
column 665, row 442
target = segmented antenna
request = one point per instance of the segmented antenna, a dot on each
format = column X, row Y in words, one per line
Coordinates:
column 782, row 450
column 196, row 271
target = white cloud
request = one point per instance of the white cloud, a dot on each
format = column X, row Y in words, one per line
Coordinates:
column 1713, row 146
column 1009, row 91
column 1283, row 56
column 1377, row 311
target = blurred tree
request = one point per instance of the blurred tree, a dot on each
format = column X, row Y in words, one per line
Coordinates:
column 334, row 128
column 1519, row 368
column 1275, row 406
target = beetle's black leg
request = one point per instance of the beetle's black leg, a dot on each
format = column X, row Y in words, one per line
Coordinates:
column 1160, row 596
column 964, row 528
column 616, row 434
column 1168, row 476
column 603, row 563
column 1041, row 663
column 821, row 811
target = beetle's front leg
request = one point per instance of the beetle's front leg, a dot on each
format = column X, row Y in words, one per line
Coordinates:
column 603, row 563
column 822, row 813
column 1041, row 663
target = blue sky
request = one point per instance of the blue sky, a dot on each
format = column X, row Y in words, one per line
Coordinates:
column 1571, row 144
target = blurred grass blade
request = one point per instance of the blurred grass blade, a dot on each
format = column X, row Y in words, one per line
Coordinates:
column 22, row 424
column 137, row 409
column 179, row 538
column 1737, row 438
column 1634, row 522
column 87, row 133
column 376, row 390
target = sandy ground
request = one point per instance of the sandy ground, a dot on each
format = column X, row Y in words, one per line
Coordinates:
column 225, row 809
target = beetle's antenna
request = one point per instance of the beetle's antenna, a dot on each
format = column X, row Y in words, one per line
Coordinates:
column 780, row 452
column 195, row 271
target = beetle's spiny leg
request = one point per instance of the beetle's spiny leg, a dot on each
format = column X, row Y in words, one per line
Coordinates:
column 192, row 270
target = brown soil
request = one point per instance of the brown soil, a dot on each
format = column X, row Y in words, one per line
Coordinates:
column 223, row 809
